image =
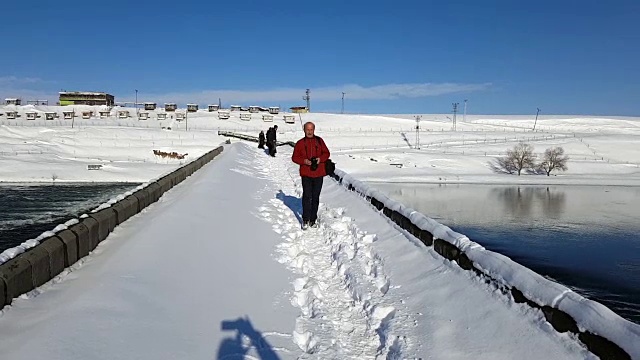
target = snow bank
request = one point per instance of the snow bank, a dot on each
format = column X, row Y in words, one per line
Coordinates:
column 590, row 317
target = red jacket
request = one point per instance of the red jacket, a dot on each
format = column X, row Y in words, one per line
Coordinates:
column 307, row 148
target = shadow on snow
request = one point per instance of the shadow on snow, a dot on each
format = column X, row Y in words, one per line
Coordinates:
column 293, row 203
column 246, row 339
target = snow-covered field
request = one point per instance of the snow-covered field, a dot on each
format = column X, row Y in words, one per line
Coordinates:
column 603, row 151
column 359, row 288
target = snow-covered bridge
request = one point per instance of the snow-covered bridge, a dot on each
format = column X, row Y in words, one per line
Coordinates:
column 218, row 268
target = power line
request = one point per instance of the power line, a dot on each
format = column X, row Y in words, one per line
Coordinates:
column 418, row 117
column 455, row 111
column 464, row 117
column 308, row 98
column 534, row 123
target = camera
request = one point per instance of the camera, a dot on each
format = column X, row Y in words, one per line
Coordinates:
column 314, row 164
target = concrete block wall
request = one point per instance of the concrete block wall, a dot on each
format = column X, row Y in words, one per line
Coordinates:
column 43, row 262
column 560, row 320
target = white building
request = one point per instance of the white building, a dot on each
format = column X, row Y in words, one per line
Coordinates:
column 12, row 101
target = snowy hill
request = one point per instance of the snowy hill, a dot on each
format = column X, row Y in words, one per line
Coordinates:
column 602, row 151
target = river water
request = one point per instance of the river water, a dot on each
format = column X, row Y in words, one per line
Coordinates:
column 26, row 211
column 585, row 237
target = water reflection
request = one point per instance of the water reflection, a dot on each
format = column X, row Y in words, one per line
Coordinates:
column 586, row 237
column 520, row 201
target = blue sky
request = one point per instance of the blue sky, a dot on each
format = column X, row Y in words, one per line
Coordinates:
column 505, row 57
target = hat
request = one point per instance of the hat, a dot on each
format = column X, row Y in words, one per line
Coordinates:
column 275, row 126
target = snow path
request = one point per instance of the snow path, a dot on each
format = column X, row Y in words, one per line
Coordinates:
column 341, row 285
column 367, row 290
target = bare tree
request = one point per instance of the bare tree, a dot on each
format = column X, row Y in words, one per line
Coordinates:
column 503, row 165
column 519, row 158
column 554, row 159
column 54, row 177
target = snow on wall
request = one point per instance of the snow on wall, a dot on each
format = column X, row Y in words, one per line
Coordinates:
column 589, row 315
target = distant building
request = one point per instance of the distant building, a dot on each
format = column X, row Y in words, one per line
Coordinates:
column 68, row 115
column 12, row 101
column 274, row 109
column 37, row 102
column 31, row 115
column 289, row 119
column 214, row 107
column 299, row 109
column 192, row 107
column 86, row 98
column 169, row 107
column 149, row 106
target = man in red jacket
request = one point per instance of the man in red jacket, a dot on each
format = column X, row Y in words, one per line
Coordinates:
column 310, row 153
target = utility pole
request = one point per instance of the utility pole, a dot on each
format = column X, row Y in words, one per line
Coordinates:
column 186, row 121
column 418, row 117
column 464, row 117
column 136, row 101
column 342, row 111
column 307, row 97
column 455, row 111
column 534, row 123
column 219, row 103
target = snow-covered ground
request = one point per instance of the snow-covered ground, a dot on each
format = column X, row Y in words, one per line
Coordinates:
column 359, row 288
column 603, row 151
column 219, row 268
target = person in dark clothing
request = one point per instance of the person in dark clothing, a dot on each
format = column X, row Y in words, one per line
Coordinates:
column 310, row 153
column 261, row 140
column 271, row 140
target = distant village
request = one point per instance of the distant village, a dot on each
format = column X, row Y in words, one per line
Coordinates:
column 101, row 98
column 106, row 103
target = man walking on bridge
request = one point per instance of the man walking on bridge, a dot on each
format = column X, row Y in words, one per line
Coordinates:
column 310, row 153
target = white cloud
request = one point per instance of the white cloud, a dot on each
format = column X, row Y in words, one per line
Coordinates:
column 25, row 95
column 31, row 88
column 26, row 88
column 353, row 92
column 11, row 81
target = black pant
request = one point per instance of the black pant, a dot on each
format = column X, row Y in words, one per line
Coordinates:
column 311, row 188
column 272, row 148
